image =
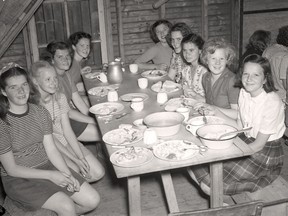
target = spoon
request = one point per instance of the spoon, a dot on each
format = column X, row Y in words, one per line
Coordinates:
column 233, row 132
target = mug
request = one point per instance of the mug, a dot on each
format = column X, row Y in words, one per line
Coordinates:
column 102, row 77
column 137, row 104
column 162, row 97
column 133, row 68
column 150, row 136
column 112, row 96
column 142, row 83
column 184, row 111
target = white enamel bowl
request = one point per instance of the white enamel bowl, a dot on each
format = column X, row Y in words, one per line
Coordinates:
column 164, row 123
column 209, row 134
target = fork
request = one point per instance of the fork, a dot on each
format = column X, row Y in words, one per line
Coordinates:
column 204, row 118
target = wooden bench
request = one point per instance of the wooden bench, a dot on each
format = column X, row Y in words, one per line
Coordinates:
column 274, row 197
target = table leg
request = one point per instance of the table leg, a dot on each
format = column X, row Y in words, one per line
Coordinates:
column 169, row 191
column 134, row 195
column 216, row 173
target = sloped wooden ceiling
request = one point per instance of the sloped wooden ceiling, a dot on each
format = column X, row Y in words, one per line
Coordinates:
column 14, row 14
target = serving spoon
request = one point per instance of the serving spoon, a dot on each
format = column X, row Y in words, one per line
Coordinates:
column 233, row 132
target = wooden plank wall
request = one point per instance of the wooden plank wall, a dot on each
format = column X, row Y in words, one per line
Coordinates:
column 15, row 53
column 138, row 15
column 263, row 14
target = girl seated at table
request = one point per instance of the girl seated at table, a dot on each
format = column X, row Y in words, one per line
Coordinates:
column 33, row 172
column 175, row 36
column 77, row 156
column 80, row 42
column 83, row 125
column 262, row 109
column 158, row 56
column 192, row 74
column 219, row 83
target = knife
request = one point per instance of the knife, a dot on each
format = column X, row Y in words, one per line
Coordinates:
column 122, row 115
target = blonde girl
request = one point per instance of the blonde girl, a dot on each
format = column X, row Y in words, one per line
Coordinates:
column 77, row 157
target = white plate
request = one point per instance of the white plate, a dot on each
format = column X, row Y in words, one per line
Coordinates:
column 131, row 157
column 107, row 108
column 168, row 86
column 92, row 75
column 154, row 74
column 102, row 91
column 130, row 96
column 122, row 136
column 173, row 104
column 174, row 150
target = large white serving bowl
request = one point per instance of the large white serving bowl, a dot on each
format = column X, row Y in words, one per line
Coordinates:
column 209, row 134
column 164, row 123
column 196, row 122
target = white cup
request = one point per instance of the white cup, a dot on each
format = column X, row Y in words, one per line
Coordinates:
column 142, row 83
column 133, row 68
column 137, row 104
column 150, row 136
column 112, row 96
column 102, row 77
column 184, row 111
column 162, row 97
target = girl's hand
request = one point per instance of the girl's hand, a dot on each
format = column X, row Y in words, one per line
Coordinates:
column 60, row 179
column 162, row 67
column 84, row 167
column 75, row 186
column 188, row 92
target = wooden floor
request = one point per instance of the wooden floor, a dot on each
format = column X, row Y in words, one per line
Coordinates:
column 114, row 194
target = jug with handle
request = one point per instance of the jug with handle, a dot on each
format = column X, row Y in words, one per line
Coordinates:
column 114, row 72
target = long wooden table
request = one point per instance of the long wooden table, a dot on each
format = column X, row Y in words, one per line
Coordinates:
column 212, row 157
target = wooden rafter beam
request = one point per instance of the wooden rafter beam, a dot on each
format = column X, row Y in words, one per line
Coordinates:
column 158, row 3
column 25, row 11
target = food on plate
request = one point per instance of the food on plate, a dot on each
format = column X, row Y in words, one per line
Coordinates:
column 174, row 150
column 92, row 75
column 132, row 154
column 167, row 86
column 105, row 110
column 101, row 91
column 122, row 136
column 175, row 103
column 155, row 73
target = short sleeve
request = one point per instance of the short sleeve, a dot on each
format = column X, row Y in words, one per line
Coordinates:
column 46, row 120
column 64, row 106
column 5, row 141
column 270, row 117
